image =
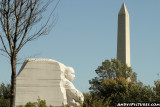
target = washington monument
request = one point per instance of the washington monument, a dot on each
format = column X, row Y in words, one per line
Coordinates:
column 123, row 42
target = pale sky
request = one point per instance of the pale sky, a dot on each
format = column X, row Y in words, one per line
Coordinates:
column 85, row 34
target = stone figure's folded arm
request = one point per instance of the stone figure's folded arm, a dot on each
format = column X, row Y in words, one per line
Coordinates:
column 75, row 94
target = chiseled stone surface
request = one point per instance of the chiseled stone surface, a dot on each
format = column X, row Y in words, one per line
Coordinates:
column 123, row 42
column 73, row 95
column 48, row 80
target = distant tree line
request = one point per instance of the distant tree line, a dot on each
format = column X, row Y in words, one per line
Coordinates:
column 108, row 88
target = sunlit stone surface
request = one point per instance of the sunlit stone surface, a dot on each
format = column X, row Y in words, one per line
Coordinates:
column 123, row 45
column 48, row 80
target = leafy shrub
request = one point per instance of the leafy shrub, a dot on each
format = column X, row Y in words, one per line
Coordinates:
column 30, row 104
column 93, row 100
column 41, row 103
column 4, row 102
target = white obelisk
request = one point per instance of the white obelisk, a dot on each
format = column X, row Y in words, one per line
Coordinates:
column 123, row 42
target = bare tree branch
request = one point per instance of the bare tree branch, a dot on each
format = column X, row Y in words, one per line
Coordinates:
column 5, row 49
column 18, row 18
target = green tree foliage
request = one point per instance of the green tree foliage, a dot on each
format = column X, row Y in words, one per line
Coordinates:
column 120, row 91
column 111, row 85
column 30, row 104
column 4, row 95
column 157, row 90
column 5, row 91
column 41, row 103
column 110, row 70
column 4, row 102
column 94, row 101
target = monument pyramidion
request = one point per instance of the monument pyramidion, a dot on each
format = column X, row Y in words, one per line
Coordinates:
column 123, row 41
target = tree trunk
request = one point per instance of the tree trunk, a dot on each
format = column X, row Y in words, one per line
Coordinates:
column 13, row 80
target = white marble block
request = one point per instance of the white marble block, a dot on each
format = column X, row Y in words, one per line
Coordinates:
column 45, row 79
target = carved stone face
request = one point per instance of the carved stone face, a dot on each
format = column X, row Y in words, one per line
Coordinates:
column 70, row 74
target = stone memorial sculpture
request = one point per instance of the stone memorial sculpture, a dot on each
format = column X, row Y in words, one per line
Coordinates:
column 73, row 95
column 48, row 80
